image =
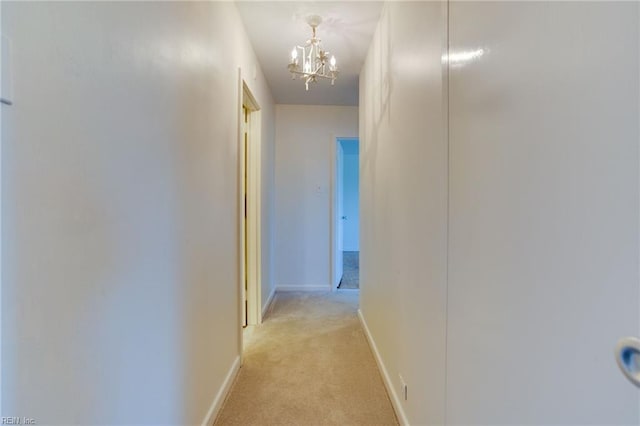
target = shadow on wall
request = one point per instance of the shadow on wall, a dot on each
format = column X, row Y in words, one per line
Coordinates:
column 374, row 110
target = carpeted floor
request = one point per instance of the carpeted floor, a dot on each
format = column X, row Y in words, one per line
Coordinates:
column 350, row 270
column 308, row 364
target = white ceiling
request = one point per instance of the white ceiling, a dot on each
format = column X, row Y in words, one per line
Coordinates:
column 274, row 27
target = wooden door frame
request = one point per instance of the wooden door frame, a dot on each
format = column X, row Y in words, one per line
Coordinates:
column 254, row 311
column 249, row 264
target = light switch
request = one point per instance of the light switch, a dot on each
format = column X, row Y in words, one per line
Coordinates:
column 6, row 77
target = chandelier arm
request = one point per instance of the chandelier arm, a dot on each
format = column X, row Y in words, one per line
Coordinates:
column 331, row 74
column 311, row 75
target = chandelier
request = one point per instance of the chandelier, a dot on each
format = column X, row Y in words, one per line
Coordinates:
column 314, row 59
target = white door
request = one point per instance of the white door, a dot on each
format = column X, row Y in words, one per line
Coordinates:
column 543, row 249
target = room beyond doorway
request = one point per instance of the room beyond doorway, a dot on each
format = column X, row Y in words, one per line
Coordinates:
column 350, row 270
column 347, row 214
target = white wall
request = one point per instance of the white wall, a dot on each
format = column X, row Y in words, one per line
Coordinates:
column 120, row 199
column 3, row 65
column 543, row 276
column 351, row 195
column 304, row 139
column 267, row 274
column 542, row 176
column 403, row 203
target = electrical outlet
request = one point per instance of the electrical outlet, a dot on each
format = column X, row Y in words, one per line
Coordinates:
column 403, row 388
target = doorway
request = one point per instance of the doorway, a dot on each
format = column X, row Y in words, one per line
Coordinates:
column 346, row 215
column 250, row 208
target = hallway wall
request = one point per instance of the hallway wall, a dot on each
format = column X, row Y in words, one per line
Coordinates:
column 304, row 138
column 534, row 177
column 120, row 209
column 403, row 203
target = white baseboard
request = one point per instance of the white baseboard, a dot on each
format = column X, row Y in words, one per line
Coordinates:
column 388, row 383
column 284, row 288
column 222, row 393
column 267, row 305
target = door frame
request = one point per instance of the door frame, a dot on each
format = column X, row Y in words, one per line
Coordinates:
column 249, row 243
column 333, row 246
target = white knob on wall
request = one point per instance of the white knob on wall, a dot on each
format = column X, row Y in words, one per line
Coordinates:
column 628, row 358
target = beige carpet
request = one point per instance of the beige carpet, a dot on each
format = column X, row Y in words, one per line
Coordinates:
column 308, row 364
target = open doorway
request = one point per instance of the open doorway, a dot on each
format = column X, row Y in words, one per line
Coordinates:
column 249, row 197
column 346, row 215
